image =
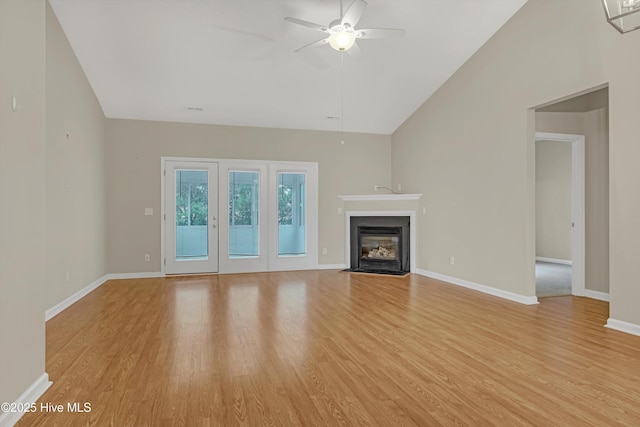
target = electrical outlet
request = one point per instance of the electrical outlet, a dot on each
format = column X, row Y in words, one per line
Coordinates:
column 339, row 211
column 399, row 187
column 324, row 251
column 148, row 211
column 452, row 261
column 147, row 257
column 375, row 188
column 424, row 211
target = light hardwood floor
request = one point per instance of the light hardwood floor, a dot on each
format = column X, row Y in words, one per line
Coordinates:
column 330, row 348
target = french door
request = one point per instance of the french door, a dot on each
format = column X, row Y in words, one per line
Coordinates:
column 269, row 218
column 190, row 217
column 264, row 220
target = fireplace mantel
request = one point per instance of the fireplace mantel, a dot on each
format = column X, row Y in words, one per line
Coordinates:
column 376, row 197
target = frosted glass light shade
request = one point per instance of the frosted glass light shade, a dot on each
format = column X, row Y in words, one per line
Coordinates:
column 624, row 15
column 342, row 40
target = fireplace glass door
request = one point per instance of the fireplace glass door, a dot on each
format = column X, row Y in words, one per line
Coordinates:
column 380, row 247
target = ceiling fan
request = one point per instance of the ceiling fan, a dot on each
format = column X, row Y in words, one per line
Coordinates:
column 342, row 32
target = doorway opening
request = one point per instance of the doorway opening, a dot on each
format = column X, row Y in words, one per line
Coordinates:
column 559, row 214
column 572, row 196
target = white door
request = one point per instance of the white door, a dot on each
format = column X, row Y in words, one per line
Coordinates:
column 293, row 206
column 191, row 217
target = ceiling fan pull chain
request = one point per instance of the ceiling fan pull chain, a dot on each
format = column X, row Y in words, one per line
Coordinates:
column 341, row 96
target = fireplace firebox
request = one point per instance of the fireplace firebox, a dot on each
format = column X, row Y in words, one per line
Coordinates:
column 380, row 248
column 380, row 244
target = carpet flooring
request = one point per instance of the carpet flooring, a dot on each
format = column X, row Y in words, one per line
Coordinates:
column 552, row 279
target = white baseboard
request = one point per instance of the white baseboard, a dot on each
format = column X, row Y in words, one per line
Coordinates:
column 619, row 325
column 56, row 309
column 555, row 260
column 481, row 288
column 602, row 296
column 30, row 395
column 332, row 266
column 150, row 275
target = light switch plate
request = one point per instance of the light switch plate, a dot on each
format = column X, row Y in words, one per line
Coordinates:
column 148, row 211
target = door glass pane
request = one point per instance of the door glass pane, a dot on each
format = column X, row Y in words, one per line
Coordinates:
column 292, row 212
column 244, row 201
column 192, row 194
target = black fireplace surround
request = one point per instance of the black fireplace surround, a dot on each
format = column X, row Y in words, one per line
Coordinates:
column 380, row 244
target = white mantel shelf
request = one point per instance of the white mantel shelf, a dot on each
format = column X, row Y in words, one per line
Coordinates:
column 376, row 197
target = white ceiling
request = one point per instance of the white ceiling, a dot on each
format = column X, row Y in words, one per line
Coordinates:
column 150, row 59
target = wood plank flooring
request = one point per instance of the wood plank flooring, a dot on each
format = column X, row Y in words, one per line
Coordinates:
column 325, row 348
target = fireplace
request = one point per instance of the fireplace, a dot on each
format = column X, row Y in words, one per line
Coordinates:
column 380, row 244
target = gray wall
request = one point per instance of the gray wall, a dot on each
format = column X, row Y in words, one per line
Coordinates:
column 553, row 199
column 470, row 148
column 51, row 185
column 75, row 186
column 22, row 195
column 134, row 149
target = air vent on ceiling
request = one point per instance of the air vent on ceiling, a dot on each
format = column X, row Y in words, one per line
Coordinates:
column 191, row 108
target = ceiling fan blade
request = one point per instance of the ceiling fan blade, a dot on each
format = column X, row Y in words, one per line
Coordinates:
column 354, row 51
column 307, row 24
column 354, row 13
column 314, row 44
column 379, row 33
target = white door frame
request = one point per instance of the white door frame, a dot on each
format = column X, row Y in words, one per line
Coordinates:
column 578, row 238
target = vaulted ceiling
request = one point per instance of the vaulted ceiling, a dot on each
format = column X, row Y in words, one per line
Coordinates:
column 233, row 62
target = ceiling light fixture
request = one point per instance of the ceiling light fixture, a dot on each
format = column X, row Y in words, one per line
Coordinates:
column 342, row 39
column 624, row 15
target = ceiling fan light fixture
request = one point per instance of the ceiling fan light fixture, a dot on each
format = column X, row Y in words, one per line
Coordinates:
column 342, row 40
column 341, row 33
